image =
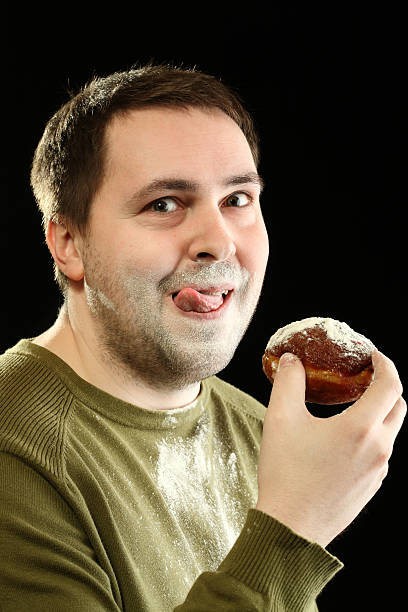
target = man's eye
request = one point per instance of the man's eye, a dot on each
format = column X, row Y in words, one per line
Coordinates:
column 237, row 200
column 163, row 205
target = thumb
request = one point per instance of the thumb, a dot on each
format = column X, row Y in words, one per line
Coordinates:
column 289, row 384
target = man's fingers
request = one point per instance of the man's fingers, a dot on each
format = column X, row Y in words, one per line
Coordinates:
column 395, row 418
column 384, row 392
column 288, row 388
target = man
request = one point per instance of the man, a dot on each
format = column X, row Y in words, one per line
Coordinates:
column 132, row 477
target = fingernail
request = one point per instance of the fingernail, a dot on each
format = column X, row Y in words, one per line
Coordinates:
column 287, row 359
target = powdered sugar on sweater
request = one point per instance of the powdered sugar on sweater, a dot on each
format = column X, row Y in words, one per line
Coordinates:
column 191, row 474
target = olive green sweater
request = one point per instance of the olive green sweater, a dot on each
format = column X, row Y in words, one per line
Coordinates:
column 105, row 506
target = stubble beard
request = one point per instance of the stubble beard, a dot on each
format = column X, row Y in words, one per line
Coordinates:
column 138, row 341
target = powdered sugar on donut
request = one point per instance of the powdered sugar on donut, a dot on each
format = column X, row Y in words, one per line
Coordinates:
column 310, row 338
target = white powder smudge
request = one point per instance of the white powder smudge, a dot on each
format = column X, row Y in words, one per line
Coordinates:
column 95, row 296
column 170, row 421
column 340, row 333
column 194, row 489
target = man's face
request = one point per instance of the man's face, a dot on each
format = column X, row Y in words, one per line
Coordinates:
column 177, row 218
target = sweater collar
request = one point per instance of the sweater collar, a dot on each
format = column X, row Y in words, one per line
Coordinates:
column 107, row 405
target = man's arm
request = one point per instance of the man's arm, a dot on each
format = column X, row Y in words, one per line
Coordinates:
column 316, row 475
column 46, row 561
column 269, row 568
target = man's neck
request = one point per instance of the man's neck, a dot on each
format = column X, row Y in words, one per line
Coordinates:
column 80, row 350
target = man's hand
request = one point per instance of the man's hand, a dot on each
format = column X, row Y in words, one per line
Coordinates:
column 316, row 475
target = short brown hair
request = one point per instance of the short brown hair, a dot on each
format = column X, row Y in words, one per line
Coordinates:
column 68, row 163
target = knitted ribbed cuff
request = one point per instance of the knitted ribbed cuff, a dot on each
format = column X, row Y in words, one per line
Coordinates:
column 272, row 559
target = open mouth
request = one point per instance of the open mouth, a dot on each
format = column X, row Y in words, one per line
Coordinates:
column 200, row 300
column 223, row 293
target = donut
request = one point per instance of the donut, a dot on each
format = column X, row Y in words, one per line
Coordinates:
column 337, row 360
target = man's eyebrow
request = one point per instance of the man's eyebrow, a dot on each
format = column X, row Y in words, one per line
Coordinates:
column 242, row 179
column 179, row 184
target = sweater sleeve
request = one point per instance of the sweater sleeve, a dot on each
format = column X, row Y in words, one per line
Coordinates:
column 46, row 561
column 269, row 569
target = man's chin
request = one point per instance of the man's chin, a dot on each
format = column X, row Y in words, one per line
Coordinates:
column 193, row 368
column 197, row 356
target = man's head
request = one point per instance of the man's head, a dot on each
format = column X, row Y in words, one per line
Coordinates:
column 170, row 262
column 70, row 160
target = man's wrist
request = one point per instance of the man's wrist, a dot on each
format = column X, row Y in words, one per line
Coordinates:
column 298, row 521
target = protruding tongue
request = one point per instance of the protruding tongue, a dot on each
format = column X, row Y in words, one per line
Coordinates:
column 191, row 300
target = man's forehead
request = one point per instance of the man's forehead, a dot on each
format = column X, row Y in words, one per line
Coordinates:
column 164, row 142
column 160, row 121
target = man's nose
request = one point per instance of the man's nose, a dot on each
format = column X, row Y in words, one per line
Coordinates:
column 212, row 238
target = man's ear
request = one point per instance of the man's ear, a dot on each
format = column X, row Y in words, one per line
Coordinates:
column 64, row 249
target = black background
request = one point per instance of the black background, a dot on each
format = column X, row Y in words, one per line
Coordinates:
column 327, row 89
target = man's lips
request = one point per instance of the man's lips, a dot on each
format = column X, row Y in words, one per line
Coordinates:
column 207, row 290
